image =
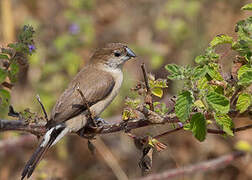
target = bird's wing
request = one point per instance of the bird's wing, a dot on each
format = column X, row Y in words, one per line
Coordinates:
column 95, row 84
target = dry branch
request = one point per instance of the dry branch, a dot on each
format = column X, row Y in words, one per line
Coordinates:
column 210, row 165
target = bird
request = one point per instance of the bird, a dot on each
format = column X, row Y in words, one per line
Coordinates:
column 99, row 82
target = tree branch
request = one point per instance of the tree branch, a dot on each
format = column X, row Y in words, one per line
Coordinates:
column 210, row 165
column 39, row 129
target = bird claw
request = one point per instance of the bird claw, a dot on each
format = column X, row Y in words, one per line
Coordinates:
column 98, row 123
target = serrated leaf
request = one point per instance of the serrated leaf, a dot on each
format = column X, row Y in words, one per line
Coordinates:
column 157, row 92
column 245, row 79
column 201, row 59
column 3, row 56
column 213, row 72
column 243, row 69
column 199, row 104
column 243, row 102
column 175, row 70
column 202, row 84
column 218, row 102
column 199, row 72
column 221, row 39
column 225, row 122
column 247, row 7
column 3, row 75
column 183, row 105
column 198, row 126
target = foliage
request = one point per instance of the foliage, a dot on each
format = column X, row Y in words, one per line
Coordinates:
column 207, row 92
column 11, row 58
column 210, row 88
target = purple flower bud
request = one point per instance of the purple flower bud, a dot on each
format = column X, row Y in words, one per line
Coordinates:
column 180, row 124
column 74, row 28
column 31, row 48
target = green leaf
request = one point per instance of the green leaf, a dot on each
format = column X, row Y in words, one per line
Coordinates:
column 159, row 83
column 183, row 105
column 243, row 102
column 133, row 103
column 245, row 79
column 218, row 102
column 4, row 97
column 14, row 68
column 157, row 92
column 247, row 7
column 210, row 56
column 199, row 104
column 3, row 56
column 126, row 114
column 198, row 126
column 213, row 72
column 221, row 39
column 225, row 122
column 175, row 70
column 3, row 75
column 244, row 69
column 201, row 59
column 202, row 85
column 199, row 72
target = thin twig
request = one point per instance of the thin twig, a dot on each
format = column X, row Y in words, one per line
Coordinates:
column 168, row 132
column 217, row 131
column 87, row 105
column 42, row 106
column 210, row 165
column 145, row 77
column 84, row 100
column 233, row 98
column 148, row 97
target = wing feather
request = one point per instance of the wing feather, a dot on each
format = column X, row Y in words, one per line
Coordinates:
column 94, row 83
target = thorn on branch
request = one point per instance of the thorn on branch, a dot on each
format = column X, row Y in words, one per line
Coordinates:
column 148, row 98
column 43, row 108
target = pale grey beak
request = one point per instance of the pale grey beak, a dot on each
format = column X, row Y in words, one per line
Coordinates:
column 130, row 53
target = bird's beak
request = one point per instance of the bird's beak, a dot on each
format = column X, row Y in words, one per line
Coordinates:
column 130, row 53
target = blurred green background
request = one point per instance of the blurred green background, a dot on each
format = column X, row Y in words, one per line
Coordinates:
column 159, row 32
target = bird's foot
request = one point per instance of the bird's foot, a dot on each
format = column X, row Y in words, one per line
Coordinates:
column 97, row 124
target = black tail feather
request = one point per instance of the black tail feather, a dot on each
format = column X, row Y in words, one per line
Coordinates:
column 38, row 154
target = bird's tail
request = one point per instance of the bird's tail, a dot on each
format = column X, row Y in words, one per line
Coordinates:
column 51, row 137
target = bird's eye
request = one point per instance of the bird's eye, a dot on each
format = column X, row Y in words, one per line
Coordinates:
column 117, row 54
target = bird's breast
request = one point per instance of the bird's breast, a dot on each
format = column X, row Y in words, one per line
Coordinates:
column 99, row 107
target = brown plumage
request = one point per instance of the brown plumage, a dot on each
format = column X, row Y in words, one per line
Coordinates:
column 99, row 81
column 95, row 85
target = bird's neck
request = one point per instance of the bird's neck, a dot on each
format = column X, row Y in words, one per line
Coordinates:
column 111, row 69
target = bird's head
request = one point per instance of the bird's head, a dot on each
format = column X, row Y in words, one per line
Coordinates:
column 113, row 55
